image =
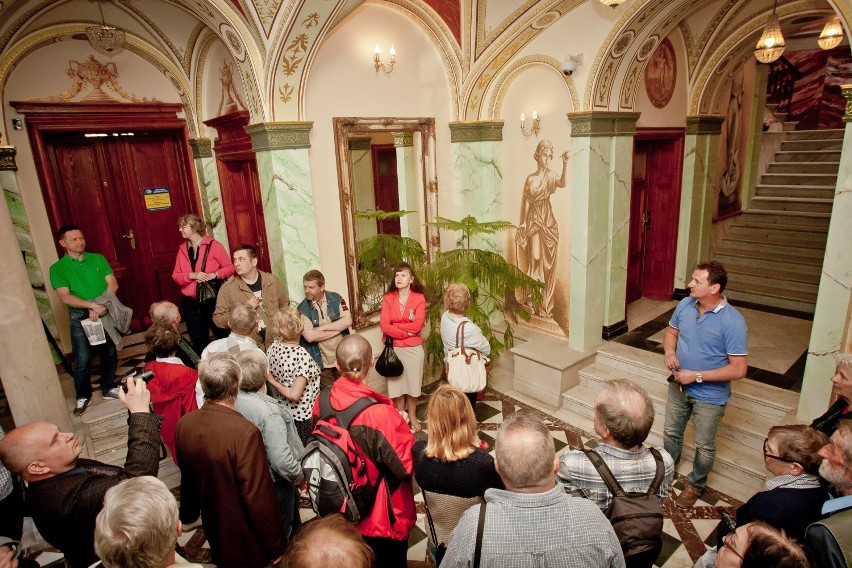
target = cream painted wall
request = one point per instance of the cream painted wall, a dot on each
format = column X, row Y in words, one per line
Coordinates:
column 542, row 89
column 343, row 82
column 41, row 74
column 674, row 113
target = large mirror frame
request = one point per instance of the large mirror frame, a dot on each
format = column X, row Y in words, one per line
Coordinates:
column 344, row 128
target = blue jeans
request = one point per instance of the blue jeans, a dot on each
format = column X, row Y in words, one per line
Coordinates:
column 707, row 417
column 83, row 356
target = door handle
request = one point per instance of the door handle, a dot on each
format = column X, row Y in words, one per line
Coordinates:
column 132, row 236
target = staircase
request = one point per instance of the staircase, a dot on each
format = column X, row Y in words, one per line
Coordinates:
column 754, row 408
column 774, row 251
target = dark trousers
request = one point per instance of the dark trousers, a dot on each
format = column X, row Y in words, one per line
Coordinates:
column 83, row 356
column 643, row 559
column 288, row 500
column 471, row 396
column 390, row 553
column 199, row 323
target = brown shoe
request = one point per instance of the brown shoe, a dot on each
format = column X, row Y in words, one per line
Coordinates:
column 688, row 497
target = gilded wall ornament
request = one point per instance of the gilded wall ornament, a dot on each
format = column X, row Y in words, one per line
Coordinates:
column 96, row 76
column 661, row 75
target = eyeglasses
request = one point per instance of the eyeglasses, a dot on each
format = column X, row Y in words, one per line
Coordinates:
column 766, row 453
column 727, row 542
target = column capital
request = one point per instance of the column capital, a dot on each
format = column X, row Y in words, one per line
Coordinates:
column 7, row 158
column 704, row 124
column 201, row 147
column 603, row 123
column 402, row 139
column 476, row 131
column 280, row 135
column 847, row 94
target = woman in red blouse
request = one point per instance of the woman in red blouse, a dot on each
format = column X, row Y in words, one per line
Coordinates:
column 402, row 318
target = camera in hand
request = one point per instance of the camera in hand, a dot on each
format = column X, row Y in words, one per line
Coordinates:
column 146, row 376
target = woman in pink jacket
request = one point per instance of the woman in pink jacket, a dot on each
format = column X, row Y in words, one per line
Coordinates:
column 402, row 318
column 189, row 271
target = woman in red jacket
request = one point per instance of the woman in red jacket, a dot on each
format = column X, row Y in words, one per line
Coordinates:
column 402, row 318
column 189, row 270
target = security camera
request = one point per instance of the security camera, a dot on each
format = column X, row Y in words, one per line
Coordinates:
column 571, row 63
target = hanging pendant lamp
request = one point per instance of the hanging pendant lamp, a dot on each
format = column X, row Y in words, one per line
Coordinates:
column 771, row 44
column 612, row 3
column 103, row 38
column 832, row 34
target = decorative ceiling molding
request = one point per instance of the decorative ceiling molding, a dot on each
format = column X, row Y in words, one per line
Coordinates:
column 508, row 76
column 484, row 37
column 691, row 51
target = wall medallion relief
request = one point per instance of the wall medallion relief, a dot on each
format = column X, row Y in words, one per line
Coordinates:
column 661, row 75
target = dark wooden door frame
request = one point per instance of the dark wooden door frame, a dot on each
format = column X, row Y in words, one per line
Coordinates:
column 676, row 135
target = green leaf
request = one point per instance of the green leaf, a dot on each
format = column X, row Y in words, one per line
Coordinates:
column 380, row 215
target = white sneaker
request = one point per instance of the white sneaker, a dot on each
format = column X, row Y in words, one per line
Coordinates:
column 112, row 393
column 82, row 404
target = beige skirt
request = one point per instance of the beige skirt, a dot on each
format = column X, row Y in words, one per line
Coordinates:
column 411, row 379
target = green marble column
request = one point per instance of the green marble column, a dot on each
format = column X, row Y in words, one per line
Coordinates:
column 834, row 301
column 602, row 161
column 288, row 200
column 697, row 196
column 208, row 188
column 362, row 183
column 29, row 375
column 477, row 174
column 409, row 183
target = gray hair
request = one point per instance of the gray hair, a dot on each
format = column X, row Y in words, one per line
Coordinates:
column 844, row 359
column 627, row 411
column 243, row 319
column 219, row 376
column 163, row 312
column 137, row 527
column 253, row 366
column 525, row 451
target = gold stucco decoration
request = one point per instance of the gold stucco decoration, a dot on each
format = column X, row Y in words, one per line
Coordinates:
column 201, row 148
column 847, row 94
column 476, row 131
column 7, row 158
column 280, row 135
column 96, row 76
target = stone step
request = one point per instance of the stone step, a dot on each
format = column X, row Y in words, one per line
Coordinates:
column 798, row 278
column 802, row 267
column 817, row 191
column 738, row 424
column 763, row 400
column 777, row 233
column 825, row 167
column 797, row 204
column 801, row 145
column 778, row 242
column 827, row 134
column 742, row 280
column 772, row 217
column 769, row 296
column 799, row 179
column 808, row 156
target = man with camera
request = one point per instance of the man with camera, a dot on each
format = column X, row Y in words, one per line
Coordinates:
column 64, row 492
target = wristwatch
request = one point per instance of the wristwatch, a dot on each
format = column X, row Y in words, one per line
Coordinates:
column 698, row 377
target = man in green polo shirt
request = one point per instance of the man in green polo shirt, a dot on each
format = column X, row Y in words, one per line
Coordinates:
column 79, row 278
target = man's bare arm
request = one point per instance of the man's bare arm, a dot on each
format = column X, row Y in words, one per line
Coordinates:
column 670, row 348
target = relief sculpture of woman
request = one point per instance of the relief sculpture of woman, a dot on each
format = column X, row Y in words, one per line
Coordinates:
column 537, row 237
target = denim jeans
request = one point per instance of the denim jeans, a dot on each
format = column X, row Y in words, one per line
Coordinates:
column 83, row 356
column 707, row 417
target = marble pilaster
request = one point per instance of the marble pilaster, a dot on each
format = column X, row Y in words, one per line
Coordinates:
column 362, row 184
column 478, row 174
column 409, row 183
column 834, row 300
column 701, row 151
column 288, row 200
column 29, row 375
column 208, row 187
column 602, row 157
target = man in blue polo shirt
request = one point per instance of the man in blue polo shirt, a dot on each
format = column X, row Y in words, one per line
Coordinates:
column 79, row 278
column 706, row 348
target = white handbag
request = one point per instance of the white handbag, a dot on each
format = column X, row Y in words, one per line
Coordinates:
column 466, row 367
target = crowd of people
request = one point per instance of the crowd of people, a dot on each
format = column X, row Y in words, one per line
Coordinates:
column 236, row 407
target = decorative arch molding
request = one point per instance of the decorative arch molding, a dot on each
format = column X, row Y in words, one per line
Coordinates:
column 198, row 82
column 170, row 70
column 728, row 50
column 505, row 80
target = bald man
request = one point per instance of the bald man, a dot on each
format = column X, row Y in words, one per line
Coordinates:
column 65, row 493
column 166, row 313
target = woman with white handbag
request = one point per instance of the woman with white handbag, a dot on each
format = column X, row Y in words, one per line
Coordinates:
column 466, row 348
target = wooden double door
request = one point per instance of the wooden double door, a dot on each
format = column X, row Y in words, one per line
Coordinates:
column 125, row 185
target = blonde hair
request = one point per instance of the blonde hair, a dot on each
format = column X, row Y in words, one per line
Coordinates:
column 457, row 298
column 287, row 324
column 452, row 425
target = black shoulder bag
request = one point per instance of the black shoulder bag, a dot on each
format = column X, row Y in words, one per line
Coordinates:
column 206, row 292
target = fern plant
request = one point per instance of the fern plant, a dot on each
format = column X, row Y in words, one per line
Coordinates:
column 491, row 279
column 378, row 254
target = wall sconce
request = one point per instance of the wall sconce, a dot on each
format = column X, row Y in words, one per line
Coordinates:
column 378, row 60
column 771, row 44
column 832, row 34
column 536, row 125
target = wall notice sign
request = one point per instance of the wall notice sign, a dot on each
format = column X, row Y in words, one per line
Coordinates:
column 157, row 198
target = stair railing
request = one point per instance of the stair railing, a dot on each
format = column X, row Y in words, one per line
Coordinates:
column 782, row 79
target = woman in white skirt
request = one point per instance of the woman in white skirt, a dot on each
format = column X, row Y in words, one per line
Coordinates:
column 403, row 316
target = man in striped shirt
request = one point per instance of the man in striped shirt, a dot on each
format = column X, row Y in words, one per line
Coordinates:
column 624, row 415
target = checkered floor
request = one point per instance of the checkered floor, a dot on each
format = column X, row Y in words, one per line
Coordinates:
column 686, row 533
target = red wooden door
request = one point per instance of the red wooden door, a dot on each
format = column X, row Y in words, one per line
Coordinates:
column 385, row 185
column 653, row 227
column 242, row 206
column 102, row 183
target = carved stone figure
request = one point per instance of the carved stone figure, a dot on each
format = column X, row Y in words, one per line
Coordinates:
column 230, row 100
column 537, row 237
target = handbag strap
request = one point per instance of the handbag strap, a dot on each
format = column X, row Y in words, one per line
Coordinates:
column 460, row 337
column 206, row 252
column 477, row 551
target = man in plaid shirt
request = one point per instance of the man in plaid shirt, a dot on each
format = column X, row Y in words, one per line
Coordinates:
column 624, row 415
